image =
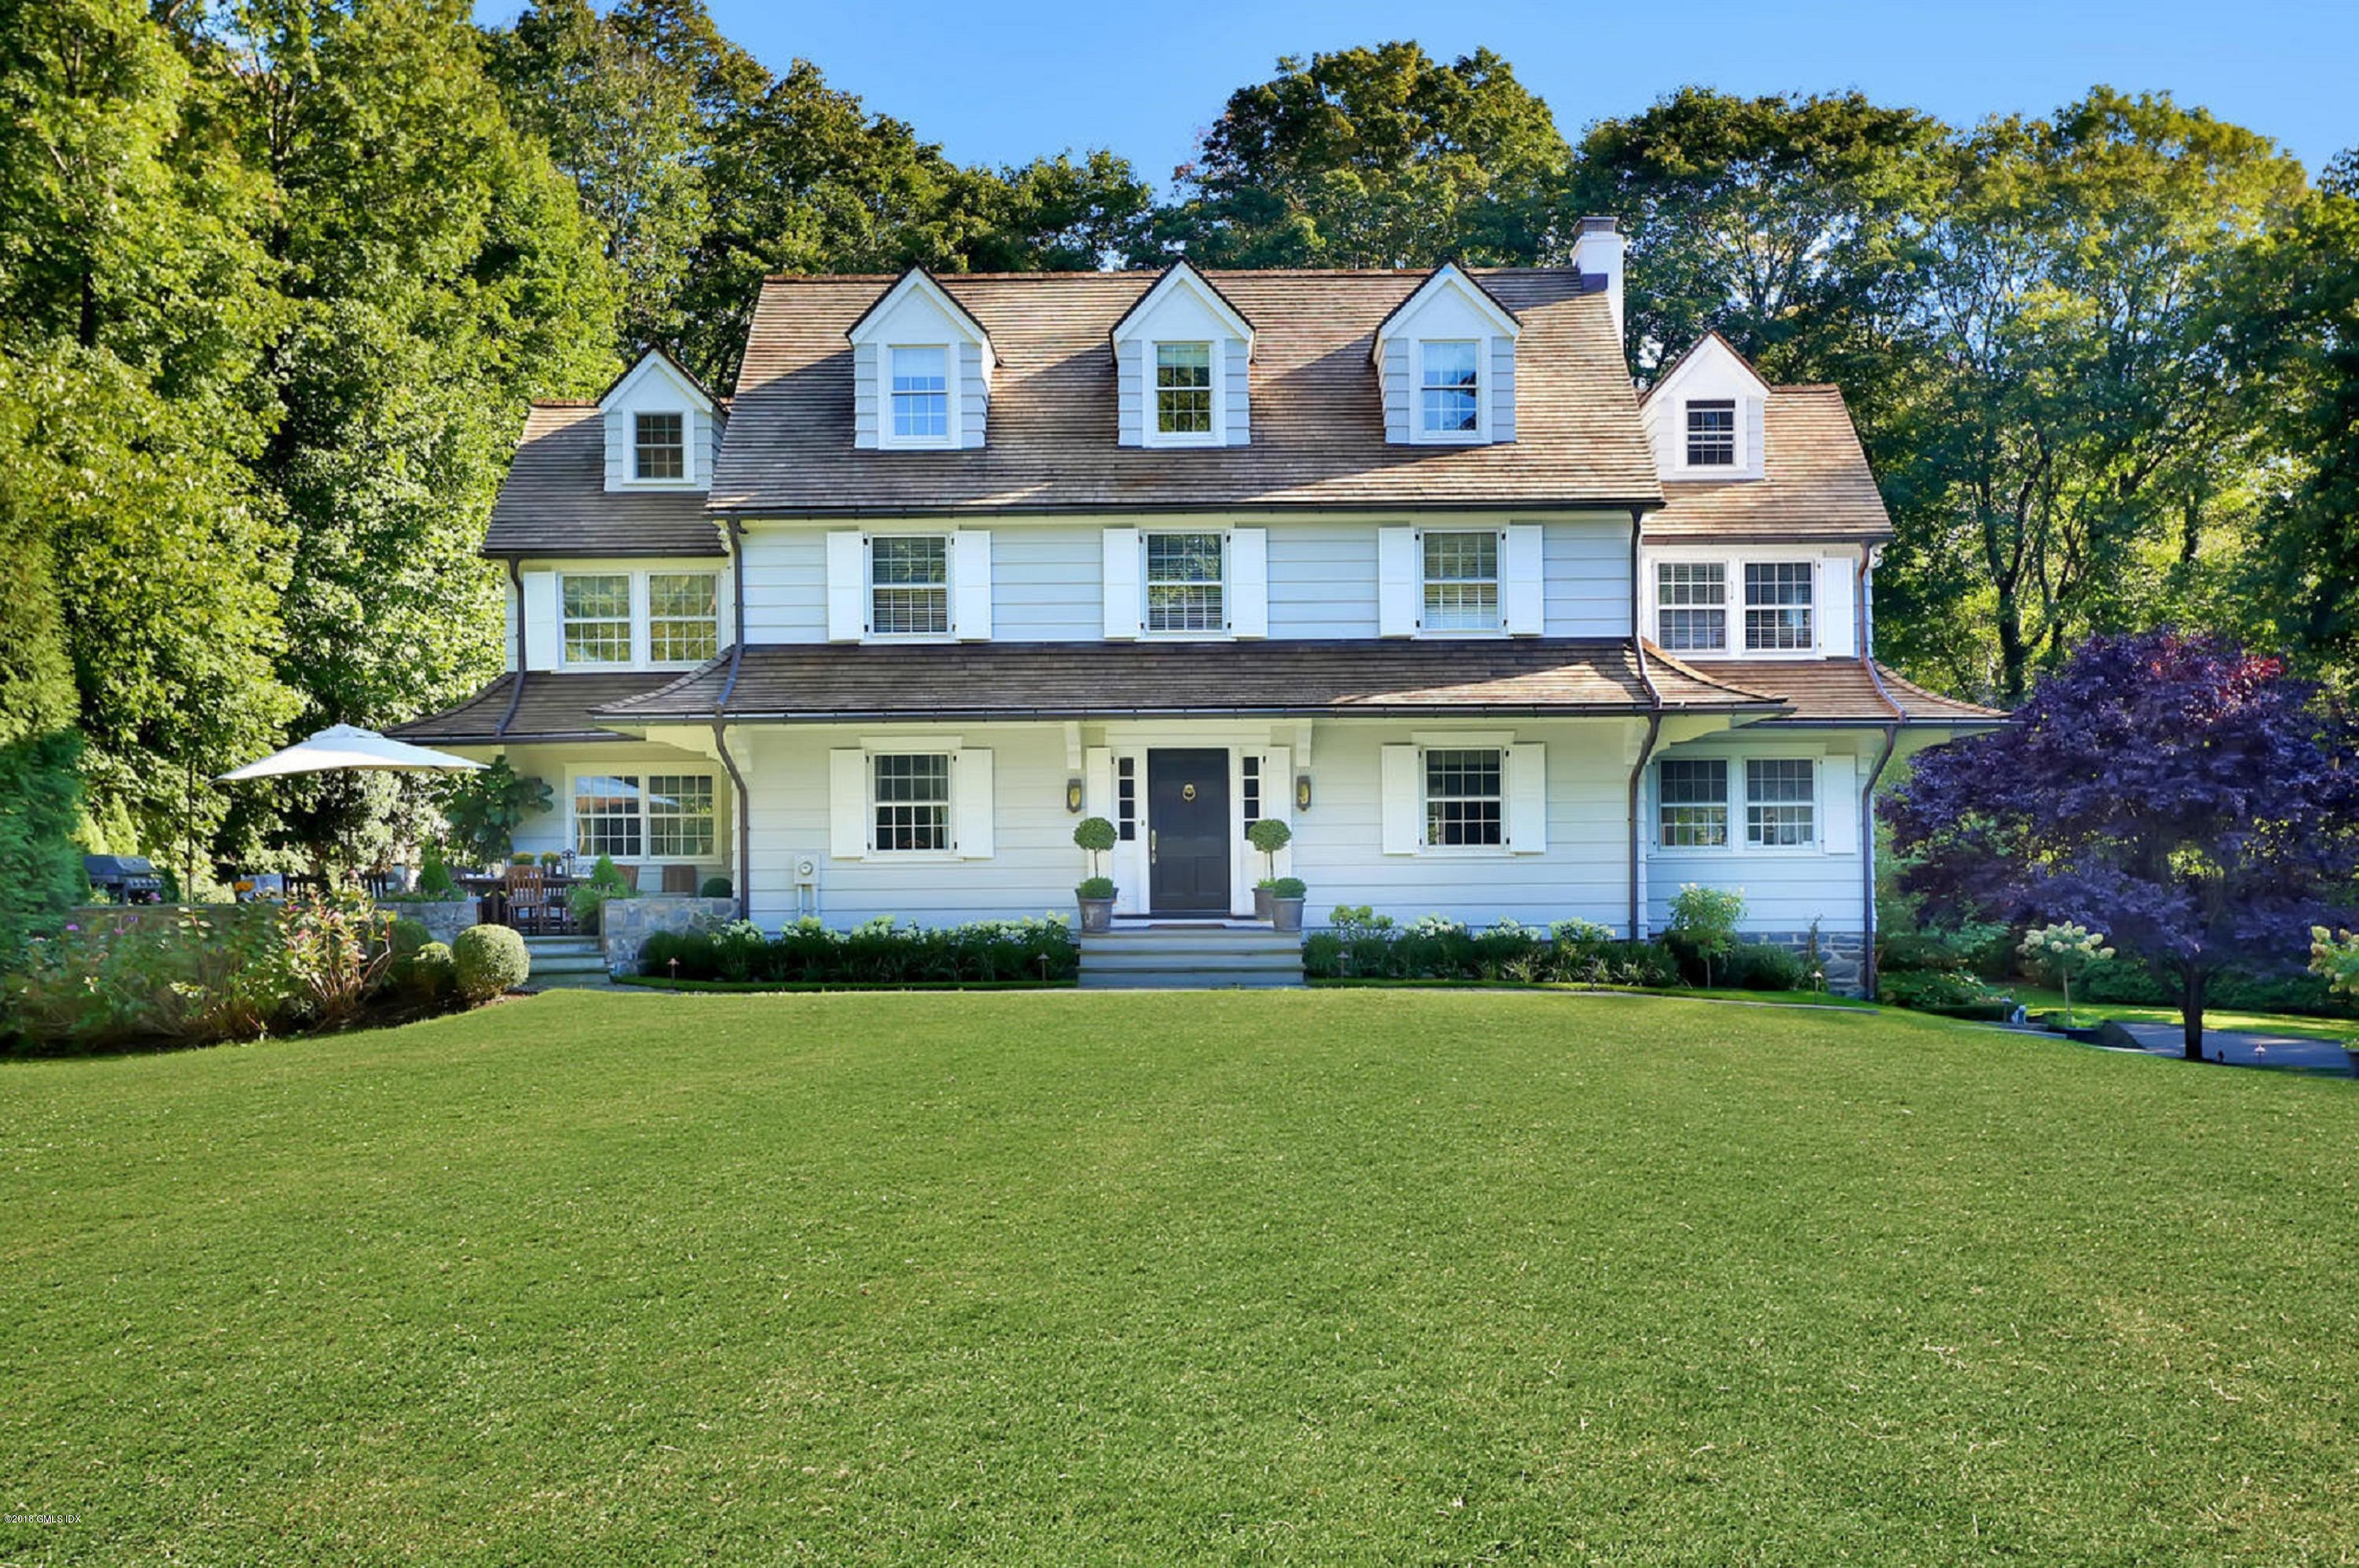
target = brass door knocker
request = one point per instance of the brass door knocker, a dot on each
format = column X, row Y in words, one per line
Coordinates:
column 1187, row 792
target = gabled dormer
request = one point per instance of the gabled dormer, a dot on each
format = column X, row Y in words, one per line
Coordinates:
column 663, row 429
column 1183, row 359
column 1446, row 360
column 1705, row 416
column 921, row 369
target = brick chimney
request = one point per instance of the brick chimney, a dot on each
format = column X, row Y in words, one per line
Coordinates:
column 1597, row 251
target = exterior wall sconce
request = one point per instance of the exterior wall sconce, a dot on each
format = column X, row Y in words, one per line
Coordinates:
column 1073, row 795
column 1302, row 791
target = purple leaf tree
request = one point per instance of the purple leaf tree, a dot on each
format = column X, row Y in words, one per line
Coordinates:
column 2192, row 800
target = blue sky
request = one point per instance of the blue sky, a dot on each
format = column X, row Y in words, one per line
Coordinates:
column 998, row 82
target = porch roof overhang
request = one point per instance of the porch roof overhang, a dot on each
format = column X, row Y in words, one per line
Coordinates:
column 1520, row 678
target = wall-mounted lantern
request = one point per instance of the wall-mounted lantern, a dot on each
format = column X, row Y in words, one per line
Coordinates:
column 1302, row 791
column 1073, row 795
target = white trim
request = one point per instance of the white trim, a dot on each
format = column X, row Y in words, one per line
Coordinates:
column 886, row 441
column 1217, row 389
column 1480, row 435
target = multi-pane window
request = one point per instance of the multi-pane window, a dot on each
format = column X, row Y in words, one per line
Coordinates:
column 660, row 446
column 597, row 613
column 1693, row 808
column 683, row 616
column 606, row 816
column 1778, row 606
column 1249, row 787
column 1711, row 433
column 1449, row 388
column 1463, row 801
column 680, row 816
column 912, row 801
column 1780, row 802
column 1462, row 582
column 1125, row 797
column 1183, row 582
column 909, row 584
column 1183, row 389
column 921, row 393
column 1692, row 605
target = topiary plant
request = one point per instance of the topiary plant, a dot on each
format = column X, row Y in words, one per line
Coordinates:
column 489, row 960
column 1289, row 888
column 1095, row 888
column 433, row 975
column 1096, row 835
column 1269, row 835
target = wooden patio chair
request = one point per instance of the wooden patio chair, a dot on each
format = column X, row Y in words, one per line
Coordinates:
column 680, row 879
column 527, row 899
column 630, row 875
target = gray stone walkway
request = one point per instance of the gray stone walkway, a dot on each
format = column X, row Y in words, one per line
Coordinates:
column 2237, row 1048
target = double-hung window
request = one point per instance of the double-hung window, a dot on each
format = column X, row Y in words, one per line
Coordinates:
column 1465, row 799
column 1777, row 606
column 1450, row 392
column 1462, row 582
column 910, row 796
column 680, row 816
column 683, row 617
column 606, row 816
column 660, row 816
column 1692, row 605
column 659, row 447
column 1692, row 805
column 909, row 585
column 1780, row 802
column 1183, row 389
column 1185, row 577
column 922, row 395
column 1711, row 433
column 597, row 615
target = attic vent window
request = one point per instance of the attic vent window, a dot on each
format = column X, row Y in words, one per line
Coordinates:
column 922, row 395
column 660, row 446
column 1183, row 389
column 1712, row 434
column 1451, row 389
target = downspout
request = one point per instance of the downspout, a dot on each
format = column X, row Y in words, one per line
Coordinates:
column 1865, row 633
column 515, row 691
column 1654, row 732
column 721, row 722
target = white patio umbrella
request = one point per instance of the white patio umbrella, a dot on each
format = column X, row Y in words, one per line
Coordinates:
column 349, row 748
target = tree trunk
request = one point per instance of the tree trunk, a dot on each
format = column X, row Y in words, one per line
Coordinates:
column 2191, row 1010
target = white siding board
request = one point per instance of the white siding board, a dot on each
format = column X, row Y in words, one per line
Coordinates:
column 1587, row 563
column 974, row 395
column 1323, row 580
column 1503, row 389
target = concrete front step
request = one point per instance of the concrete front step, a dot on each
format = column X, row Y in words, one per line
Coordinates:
column 1190, row 957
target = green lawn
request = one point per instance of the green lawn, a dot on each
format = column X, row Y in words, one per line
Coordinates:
column 1069, row 1278
column 2089, row 1014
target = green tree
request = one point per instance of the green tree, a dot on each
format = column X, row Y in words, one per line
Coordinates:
column 1380, row 157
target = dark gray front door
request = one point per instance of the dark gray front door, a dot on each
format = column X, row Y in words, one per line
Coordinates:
column 1187, row 833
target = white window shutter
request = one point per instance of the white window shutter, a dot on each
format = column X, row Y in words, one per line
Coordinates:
column 1122, row 585
column 1400, row 582
column 1528, row 799
column 541, row 630
column 1839, row 805
column 971, row 584
column 971, row 786
column 1404, row 828
column 1249, row 583
column 1836, row 615
column 847, row 804
column 1523, row 581
column 1097, row 782
column 847, row 587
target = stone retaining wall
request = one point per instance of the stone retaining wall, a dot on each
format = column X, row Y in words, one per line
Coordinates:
column 624, row 925
column 443, row 920
column 1842, row 955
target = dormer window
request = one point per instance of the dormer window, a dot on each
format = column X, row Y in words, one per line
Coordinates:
column 1183, row 390
column 659, row 446
column 1450, row 388
column 922, row 395
column 1711, row 433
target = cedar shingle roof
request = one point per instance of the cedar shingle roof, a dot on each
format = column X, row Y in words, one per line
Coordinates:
column 554, row 707
column 1317, row 420
column 555, row 500
column 1816, row 484
column 818, row 683
column 1841, row 691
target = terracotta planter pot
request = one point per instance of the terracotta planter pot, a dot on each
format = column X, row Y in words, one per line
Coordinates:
column 1097, row 915
column 1261, row 903
column 1286, row 914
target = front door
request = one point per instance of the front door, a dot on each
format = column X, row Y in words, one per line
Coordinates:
column 1188, row 848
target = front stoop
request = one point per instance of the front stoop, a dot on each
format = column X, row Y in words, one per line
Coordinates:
column 568, row 962
column 1190, row 958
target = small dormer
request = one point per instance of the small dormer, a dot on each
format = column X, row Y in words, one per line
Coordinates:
column 921, row 370
column 1704, row 416
column 1183, row 366
column 1446, row 360
column 663, row 429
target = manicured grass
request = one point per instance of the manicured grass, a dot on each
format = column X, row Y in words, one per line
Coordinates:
column 2088, row 1015
column 1071, row 1278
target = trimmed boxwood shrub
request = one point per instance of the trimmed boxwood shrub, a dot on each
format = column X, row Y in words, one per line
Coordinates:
column 883, row 952
column 1361, row 945
column 489, row 960
column 433, row 975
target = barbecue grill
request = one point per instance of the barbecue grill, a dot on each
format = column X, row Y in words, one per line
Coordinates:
column 123, row 878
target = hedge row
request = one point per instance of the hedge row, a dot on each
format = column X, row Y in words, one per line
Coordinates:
column 1362, row 946
column 883, row 952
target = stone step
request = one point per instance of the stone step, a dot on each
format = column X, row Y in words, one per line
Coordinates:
column 1190, row 980
column 561, row 944
column 592, row 964
column 1290, row 961
column 1190, row 957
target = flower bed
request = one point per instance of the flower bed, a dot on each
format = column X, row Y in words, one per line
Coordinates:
column 883, row 952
